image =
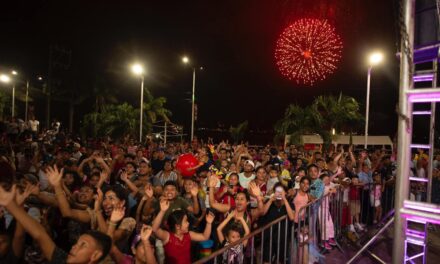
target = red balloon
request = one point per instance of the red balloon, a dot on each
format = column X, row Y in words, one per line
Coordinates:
column 185, row 162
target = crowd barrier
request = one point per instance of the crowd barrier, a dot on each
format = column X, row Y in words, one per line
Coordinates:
column 284, row 241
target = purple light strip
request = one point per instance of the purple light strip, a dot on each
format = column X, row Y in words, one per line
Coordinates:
column 424, row 97
column 421, row 112
column 418, row 179
column 423, row 78
column 415, row 233
column 415, row 241
column 431, row 208
column 420, row 146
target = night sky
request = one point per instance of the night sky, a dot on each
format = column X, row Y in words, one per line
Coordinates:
column 233, row 40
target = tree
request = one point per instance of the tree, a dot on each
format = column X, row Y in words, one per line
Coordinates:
column 340, row 113
column 123, row 119
column 238, row 132
column 324, row 114
column 154, row 109
column 297, row 121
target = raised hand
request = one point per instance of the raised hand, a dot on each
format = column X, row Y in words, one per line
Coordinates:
column 124, row 176
column 35, row 189
column 212, row 181
column 146, row 232
column 254, row 189
column 99, row 196
column 194, row 190
column 232, row 214
column 164, row 205
column 118, row 213
column 54, row 175
column 149, row 192
column 6, row 197
column 210, row 218
column 21, row 197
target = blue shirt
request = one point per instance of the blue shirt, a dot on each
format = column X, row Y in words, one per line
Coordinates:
column 317, row 188
column 366, row 178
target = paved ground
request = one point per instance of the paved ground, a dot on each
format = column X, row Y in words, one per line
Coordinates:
column 383, row 249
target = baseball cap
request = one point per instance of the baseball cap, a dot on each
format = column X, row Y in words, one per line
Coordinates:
column 250, row 162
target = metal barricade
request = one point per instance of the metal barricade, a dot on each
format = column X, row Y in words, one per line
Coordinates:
column 320, row 221
column 284, row 241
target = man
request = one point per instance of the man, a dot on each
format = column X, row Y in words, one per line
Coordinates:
column 91, row 247
column 222, row 155
column 365, row 176
column 34, row 125
column 158, row 161
column 177, row 202
column 247, row 175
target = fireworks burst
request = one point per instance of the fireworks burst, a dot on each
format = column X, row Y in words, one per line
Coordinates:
column 308, row 50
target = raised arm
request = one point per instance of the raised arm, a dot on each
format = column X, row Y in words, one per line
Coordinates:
column 159, row 232
column 207, row 233
column 116, row 216
column 222, row 225
column 81, row 167
column 256, row 192
column 19, row 234
column 146, row 232
column 133, row 188
column 290, row 212
column 54, row 176
column 31, row 226
column 247, row 231
column 222, row 208
column 195, row 198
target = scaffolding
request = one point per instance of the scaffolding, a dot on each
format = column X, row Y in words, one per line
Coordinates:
column 409, row 213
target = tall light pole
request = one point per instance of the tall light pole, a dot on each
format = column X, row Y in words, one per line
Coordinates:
column 13, row 95
column 6, row 79
column 374, row 59
column 185, row 60
column 138, row 69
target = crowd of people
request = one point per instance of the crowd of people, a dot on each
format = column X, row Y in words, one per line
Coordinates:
column 67, row 200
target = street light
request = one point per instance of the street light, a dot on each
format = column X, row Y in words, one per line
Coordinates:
column 6, row 79
column 185, row 60
column 374, row 59
column 138, row 69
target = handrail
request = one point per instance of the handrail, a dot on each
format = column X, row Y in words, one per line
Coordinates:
column 372, row 240
column 252, row 234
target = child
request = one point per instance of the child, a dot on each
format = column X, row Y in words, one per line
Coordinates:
column 273, row 179
column 324, row 216
column 177, row 241
column 376, row 195
column 226, row 193
column 355, row 203
column 142, row 246
column 234, row 232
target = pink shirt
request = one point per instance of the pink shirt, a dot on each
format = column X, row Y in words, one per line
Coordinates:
column 300, row 200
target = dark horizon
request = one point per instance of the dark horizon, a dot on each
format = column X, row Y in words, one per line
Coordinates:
column 234, row 42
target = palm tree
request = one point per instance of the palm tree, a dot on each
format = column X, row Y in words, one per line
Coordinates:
column 340, row 112
column 154, row 109
column 297, row 121
column 325, row 113
column 238, row 132
column 103, row 95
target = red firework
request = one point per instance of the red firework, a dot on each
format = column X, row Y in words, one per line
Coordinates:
column 308, row 50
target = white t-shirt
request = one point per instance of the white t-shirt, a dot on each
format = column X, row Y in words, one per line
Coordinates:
column 34, row 125
column 244, row 181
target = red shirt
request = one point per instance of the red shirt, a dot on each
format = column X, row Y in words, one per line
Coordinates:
column 354, row 193
column 227, row 198
column 178, row 251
